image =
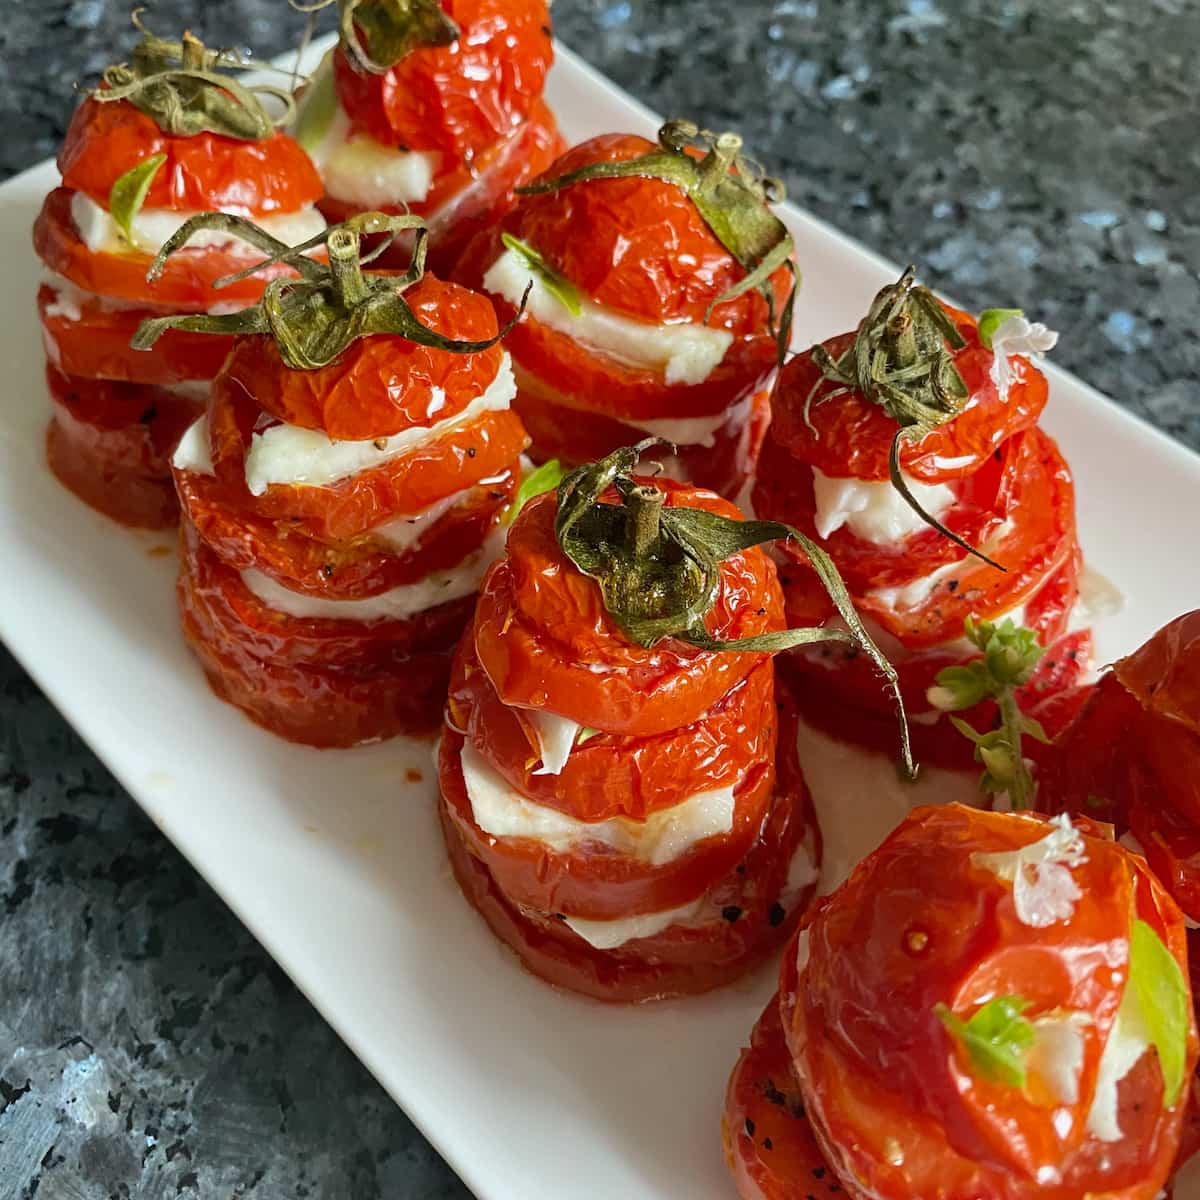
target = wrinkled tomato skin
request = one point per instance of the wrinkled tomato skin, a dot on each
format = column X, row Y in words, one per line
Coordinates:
column 203, row 172
column 295, row 693
column 591, row 882
column 482, row 449
column 97, row 345
column 574, row 436
column 382, row 385
column 891, row 1107
column 110, row 444
column 458, row 99
column 636, row 245
column 1036, row 499
column 851, row 437
column 186, row 282
column 611, row 776
column 546, row 641
column 557, row 368
column 1133, row 756
column 353, row 570
column 679, row 961
column 769, row 1145
column 469, row 198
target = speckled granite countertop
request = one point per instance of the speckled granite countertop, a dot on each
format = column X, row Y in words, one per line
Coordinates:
column 1024, row 153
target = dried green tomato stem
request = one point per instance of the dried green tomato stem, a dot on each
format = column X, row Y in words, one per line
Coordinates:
column 393, row 29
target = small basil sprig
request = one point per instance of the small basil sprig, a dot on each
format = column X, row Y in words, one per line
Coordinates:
column 996, row 1038
column 659, row 568
column 541, row 479
column 902, row 359
column 128, row 193
column 393, row 29
column 317, row 316
column 186, row 89
column 1010, row 654
column 559, row 286
column 1159, row 993
column 731, row 192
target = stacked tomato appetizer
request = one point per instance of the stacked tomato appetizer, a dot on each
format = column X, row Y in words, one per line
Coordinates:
column 660, row 299
column 344, row 491
column 162, row 138
column 434, row 109
column 992, row 1006
column 910, row 449
column 621, row 796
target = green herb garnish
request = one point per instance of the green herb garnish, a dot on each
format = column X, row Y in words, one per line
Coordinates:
column 1157, row 987
column 996, row 1038
column 128, row 193
column 559, row 286
column 541, row 479
column 992, row 318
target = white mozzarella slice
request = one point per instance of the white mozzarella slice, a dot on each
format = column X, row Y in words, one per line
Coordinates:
column 664, row 836
column 685, row 352
column 556, row 739
column 1127, row 1042
column 192, row 453
column 1056, row 1056
column 152, row 227
column 287, row 454
column 608, row 935
column 399, row 604
column 403, row 533
column 872, row 509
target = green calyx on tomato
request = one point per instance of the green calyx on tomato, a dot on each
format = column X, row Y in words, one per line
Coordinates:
column 658, row 567
column 315, row 318
column 1010, row 653
column 902, row 359
column 996, row 1038
column 732, row 194
column 187, row 89
column 393, row 29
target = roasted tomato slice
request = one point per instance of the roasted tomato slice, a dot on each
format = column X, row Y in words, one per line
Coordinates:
column 851, row 437
column 458, row 99
column 752, row 910
column 637, row 245
column 351, row 570
column 613, row 776
column 202, row 172
column 900, row 1105
column 382, row 385
column 546, row 640
column 770, row 1148
column 93, row 343
column 110, row 444
column 278, row 670
column 186, row 282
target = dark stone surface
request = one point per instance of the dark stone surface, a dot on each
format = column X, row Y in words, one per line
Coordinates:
column 1024, row 153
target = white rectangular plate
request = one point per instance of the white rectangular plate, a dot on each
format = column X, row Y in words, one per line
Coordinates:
column 335, row 862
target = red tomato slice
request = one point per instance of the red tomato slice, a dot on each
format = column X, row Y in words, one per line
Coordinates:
column 466, row 199
column 96, row 345
column 110, row 444
column 679, row 961
column 575, row 436
column 769, row 1144
column 457, row 99
column 201, row 173
column 921, row 923
column 544, row 638
column 380, row 385
column 351, row 570
column 638, row 245
column 486, row 448
column 186, row 282
column 613, row 776
column 851, row 437
column 307, row 701
column 593, row 882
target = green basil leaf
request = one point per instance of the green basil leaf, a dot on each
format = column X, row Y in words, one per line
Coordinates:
column 541, row 479
column 586, row 734
column 128, row 193
column 996, row 1038
column 315, row 108
column 561, row 288
column 991, row 319
column 1161, row 994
